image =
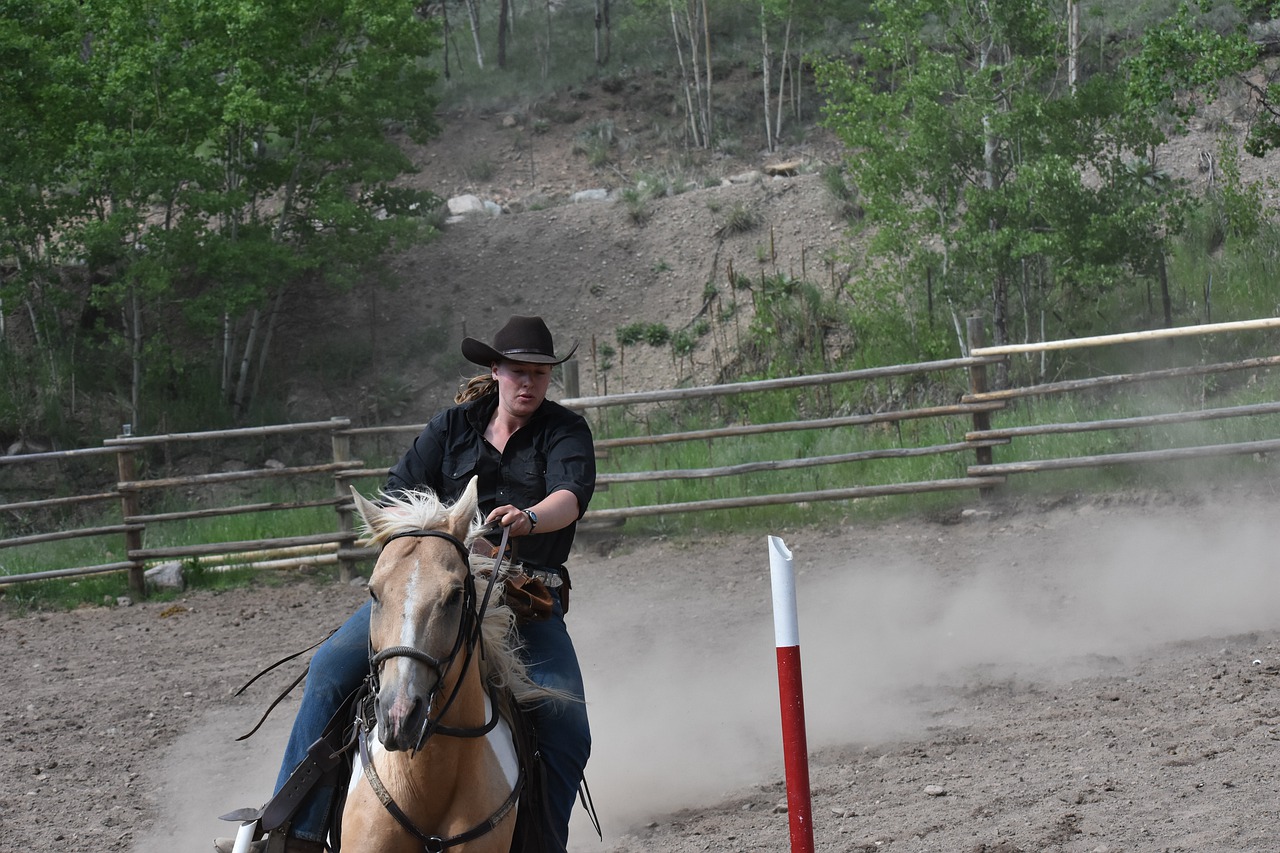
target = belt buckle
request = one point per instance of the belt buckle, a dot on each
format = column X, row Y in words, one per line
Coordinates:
column 550, row 579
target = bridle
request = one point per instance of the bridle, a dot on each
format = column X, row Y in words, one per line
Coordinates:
column 468, row 640
column 467, row 634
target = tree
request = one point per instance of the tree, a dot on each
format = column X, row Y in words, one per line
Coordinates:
column 224, row 153
column 42, row 96
column 982, row 168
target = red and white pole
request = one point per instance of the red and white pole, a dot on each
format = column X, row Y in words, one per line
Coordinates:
column 795, row 747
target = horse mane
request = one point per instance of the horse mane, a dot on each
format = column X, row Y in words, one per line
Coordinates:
column 415, row 509
column 501, row 664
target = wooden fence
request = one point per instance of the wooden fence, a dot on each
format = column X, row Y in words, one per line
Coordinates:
column 342, row 469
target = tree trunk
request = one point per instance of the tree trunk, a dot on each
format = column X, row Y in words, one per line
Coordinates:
column 444, row 37
column 1073, row 43
column 766, row 74
column 1166, row 302
column 242, row 381
column 686, row 83
column 990, row 150
column 1000, row 322
column 603, row 33
column 265, row 350
column 134, row 324
column 473, row 13
column 706, row 32
column 503, row 11
column 546, row 54
column 225, row 385
column 782, row 72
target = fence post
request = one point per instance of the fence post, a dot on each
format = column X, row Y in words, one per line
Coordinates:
column 978, row 385
column 126, row 471
column 569, row 371
column 341, row 443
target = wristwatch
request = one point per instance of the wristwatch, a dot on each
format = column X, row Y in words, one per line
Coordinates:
column 533, row 519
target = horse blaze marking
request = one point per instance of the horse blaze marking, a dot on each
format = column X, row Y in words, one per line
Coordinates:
column 795, row 745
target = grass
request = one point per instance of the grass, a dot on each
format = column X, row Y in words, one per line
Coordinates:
column 71, row 592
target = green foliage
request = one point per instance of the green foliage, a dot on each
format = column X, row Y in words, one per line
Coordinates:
column 845, row 197
column 1182, row 61
column 972, row 156
column 653, row 334
column 739, row 219
column 199, row 159
column 596, row 143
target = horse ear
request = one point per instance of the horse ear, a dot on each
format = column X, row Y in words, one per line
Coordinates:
column 465, row 509
column 370, row 512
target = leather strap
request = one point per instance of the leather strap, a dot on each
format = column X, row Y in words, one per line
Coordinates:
column 433, row 843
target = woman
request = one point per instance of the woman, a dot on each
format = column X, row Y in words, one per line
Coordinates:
column 536, row 467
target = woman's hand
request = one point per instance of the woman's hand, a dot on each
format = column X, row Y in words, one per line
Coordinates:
column 512, row 517
column 554, row 512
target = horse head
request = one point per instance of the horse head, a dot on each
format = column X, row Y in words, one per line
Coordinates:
column 423, row 607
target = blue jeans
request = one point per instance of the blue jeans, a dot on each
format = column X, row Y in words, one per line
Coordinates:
column 341, row 663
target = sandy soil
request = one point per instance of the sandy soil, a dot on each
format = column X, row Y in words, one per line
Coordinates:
column 1099, row 675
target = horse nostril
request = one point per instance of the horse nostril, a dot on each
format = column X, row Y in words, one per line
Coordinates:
column 401, row 720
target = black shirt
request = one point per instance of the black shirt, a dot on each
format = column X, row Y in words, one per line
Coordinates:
column 552, row 451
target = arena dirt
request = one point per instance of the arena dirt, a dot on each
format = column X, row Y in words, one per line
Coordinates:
column 1076, row 675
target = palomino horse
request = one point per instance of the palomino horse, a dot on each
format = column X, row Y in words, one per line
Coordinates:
column 438, row 770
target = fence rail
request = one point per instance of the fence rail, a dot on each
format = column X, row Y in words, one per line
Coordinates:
column 341, row 546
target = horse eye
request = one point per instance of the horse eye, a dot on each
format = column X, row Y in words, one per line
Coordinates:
column 454, row 598
column 373, row 595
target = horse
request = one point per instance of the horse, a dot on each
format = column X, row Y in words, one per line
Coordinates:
column 436, row 767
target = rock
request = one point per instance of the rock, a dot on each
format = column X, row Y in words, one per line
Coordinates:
column 590, row 195
column 167, row 576
column 465, row 205
column 935, row 790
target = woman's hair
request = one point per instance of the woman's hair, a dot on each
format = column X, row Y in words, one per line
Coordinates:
column 476, row 387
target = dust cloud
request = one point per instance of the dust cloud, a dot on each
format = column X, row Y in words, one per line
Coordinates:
column 677, row 646
column 684, row 699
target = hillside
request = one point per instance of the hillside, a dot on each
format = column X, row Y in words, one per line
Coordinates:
column 590, row 267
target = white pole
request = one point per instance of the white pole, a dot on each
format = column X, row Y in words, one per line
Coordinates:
column 786, row 622
column 245, row 835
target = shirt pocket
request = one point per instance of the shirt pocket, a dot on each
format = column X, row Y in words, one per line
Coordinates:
column 460, row 465
column 527, row 476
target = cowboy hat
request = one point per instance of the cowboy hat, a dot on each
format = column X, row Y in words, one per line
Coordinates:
column 524, row 339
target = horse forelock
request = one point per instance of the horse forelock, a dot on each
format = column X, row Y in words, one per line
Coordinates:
column 407, row 512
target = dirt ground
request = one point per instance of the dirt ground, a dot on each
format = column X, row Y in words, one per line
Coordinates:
column 1076, row 675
